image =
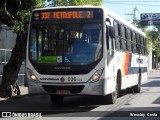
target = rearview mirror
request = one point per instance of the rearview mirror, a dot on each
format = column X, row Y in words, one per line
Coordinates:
column 112, row 32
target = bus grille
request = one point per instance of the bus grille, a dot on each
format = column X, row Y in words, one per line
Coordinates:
column 53, row 88
column 76, row 72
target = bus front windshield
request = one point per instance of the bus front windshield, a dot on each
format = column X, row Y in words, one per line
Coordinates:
column 65, row 44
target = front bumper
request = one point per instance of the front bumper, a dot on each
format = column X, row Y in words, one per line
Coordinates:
column 96, row 88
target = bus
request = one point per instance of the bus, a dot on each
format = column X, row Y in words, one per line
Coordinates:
column 84, row 50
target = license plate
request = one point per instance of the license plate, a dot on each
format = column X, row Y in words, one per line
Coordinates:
column 63, row 92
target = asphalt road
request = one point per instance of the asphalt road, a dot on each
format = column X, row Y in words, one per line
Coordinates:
column 144, row 105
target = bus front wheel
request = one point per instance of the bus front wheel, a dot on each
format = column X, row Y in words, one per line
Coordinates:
column 56, row 99
column 111, row 98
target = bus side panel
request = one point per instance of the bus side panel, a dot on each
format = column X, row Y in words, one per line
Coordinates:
column 130, row 70
column 133, row 69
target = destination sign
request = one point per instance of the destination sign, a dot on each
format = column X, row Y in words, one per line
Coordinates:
column 63, row 15
column 73, row 14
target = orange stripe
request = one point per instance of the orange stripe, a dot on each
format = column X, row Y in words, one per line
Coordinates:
column 125, row 64
column 124, row 59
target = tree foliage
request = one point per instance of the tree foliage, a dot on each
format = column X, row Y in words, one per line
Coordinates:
column 148, row 39
column 153, row 39
column 75, row 2
column 23, row 16
column 38, row 3
column 8, row 86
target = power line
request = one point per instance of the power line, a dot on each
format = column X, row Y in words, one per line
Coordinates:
column 133, row 14
column 132, row 1
column 131, row 4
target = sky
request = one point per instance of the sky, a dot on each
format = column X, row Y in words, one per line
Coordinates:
column 123, row 7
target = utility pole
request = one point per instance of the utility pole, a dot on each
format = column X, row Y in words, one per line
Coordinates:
column 133, row 14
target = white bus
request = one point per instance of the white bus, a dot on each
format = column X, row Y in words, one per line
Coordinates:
column 84, row 50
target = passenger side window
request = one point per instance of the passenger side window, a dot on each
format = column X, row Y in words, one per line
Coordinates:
column 138, row 44
column 129, row 40
column 123, row 38
column 134, row 42
column 117, row 36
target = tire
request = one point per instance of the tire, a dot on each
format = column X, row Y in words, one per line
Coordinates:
column 119, row 80
column 130, row 90
column 57, row 100
column 111, row 98
column 137, row 88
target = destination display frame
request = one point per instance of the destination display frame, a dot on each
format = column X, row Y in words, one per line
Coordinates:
column 67, row 14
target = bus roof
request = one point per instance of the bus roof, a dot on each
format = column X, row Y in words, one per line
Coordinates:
column 107, row 13
column 123, row 21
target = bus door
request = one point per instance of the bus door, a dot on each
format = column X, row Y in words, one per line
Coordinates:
column 109, row 42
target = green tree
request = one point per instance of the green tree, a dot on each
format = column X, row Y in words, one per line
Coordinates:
column 149, row 37
column 23, row 15
column 8, row 86
column 156, row 42
column 153, row 40
column 75, row 2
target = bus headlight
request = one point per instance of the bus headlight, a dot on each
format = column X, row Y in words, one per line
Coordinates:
column 96, row 76
column 31, row 75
